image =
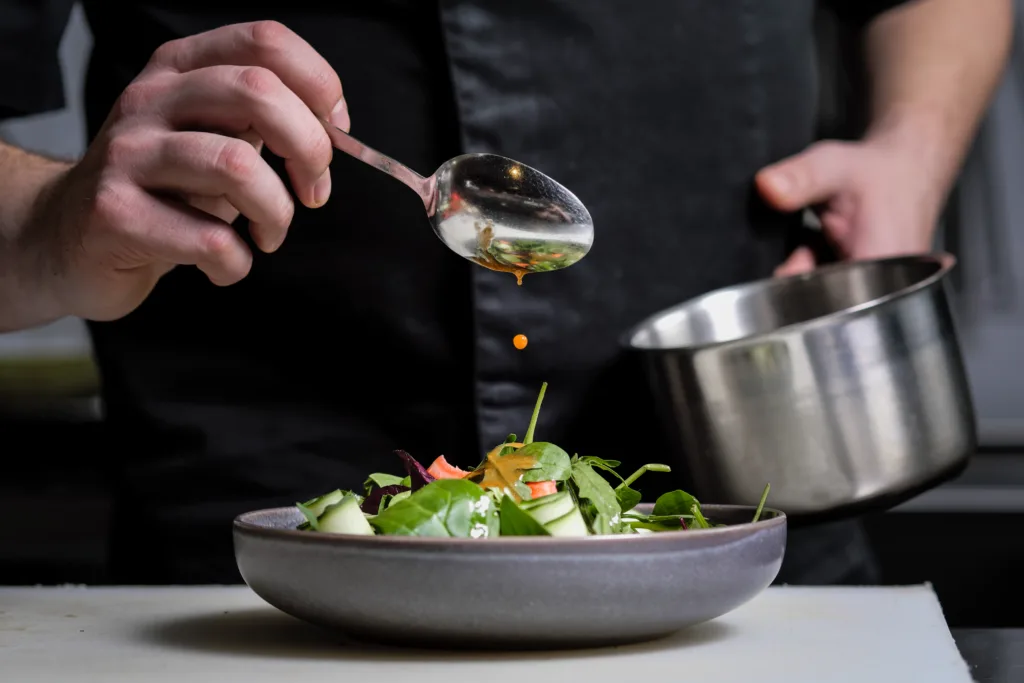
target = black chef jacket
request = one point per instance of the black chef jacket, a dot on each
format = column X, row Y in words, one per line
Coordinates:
column 364, row 333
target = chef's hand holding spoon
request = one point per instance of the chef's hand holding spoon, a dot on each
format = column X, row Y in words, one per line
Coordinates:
column 159, row 188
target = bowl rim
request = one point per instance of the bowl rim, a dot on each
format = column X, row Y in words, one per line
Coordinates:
column 944, row 260
column 243, row 524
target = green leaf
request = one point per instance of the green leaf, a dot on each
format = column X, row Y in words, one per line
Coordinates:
column 656, row 526
column 445, row 508
column 522, row 490
column 515, row 522
column 552, row 462
column 631, row 516
column 310, row 516
column 591, row 486
column 606, row 465
column 675, row 503
column 380, row 480
column 406, row 481
column 511, row 438
column 628, row 498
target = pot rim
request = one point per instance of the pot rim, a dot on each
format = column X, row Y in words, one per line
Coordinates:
column 944, row 260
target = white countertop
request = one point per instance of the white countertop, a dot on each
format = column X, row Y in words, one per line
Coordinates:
column 226, row 634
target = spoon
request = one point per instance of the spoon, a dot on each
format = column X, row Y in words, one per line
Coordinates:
column 492, row 210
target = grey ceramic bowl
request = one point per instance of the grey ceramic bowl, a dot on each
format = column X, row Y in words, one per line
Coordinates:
column 509, row 593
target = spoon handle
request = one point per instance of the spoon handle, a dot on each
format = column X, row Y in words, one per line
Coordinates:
column 424, row 187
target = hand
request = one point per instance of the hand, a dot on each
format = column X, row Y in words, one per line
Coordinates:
column 874, row 198
column 179, row 157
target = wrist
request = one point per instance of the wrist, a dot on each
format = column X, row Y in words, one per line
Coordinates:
column 925, row 140
column 926, row 150
column 29, row 246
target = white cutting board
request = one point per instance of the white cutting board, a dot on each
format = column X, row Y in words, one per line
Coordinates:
column 226, row 634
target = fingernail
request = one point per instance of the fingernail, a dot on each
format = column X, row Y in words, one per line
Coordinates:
column 322, row 189
column 339, row 115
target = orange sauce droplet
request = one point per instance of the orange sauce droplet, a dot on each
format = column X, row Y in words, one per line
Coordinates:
column 519, row 341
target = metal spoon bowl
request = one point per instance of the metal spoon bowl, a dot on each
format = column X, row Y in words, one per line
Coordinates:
column 492, row 210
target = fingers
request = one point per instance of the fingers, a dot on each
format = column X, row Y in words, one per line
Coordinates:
column 811, row 177
column 212, row 166
column 173, row 232
column 236, row 99
column 800, row 261
column 266, row 44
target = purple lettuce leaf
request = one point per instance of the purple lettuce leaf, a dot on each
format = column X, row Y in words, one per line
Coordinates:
column 418, row 475
column 371, row 504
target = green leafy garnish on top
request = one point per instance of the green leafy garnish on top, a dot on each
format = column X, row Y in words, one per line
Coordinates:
column 532, row 488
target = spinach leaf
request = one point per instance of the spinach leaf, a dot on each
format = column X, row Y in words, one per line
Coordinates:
column 628, row 498
column 591, row 486
column 381, row 480
column 675, row 503
column 656, row 526
column 446, row 508
column 522, row 490
column 637, row 517
column 606, row 465
column 515, row 522
column 552, row 462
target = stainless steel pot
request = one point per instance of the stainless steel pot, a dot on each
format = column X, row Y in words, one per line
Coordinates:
column 843, row 388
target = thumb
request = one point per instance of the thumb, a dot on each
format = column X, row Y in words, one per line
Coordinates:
column 800, row 261
column 811, row 177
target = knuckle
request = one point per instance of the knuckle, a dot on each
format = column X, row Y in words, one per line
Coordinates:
column 236, row 159
column 216, row 244
column 167, row 52
column 325, row 81
column 268, row 36
column 138, row 97
column 257, row 82
column 319, row 149
column 124, row 150
column 111, row 204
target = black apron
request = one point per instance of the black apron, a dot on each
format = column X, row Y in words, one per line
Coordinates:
column 364, row 334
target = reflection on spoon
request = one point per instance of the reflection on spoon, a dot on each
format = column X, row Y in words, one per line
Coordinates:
column 492, row 210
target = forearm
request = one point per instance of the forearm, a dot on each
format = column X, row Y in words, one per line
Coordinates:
column 934, row 66
column 25, row 289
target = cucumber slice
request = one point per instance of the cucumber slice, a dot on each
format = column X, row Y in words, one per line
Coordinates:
column 571, row 524
column 318, row 505
column 344, row 518
column 549, row 508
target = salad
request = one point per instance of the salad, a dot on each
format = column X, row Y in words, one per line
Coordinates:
column 520, row 488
